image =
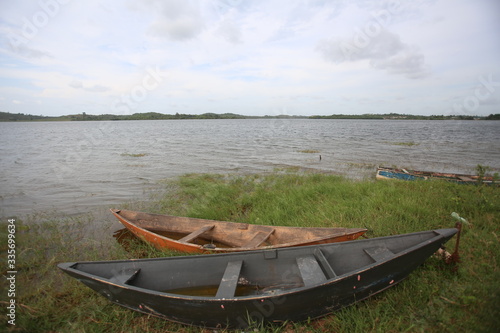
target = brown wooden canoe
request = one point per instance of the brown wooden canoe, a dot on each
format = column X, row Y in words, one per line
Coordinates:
column 209, row 236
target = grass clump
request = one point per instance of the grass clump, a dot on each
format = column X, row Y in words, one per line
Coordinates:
column 134, row 155
column 309, row 151
column 435, row 298
column 407, row 144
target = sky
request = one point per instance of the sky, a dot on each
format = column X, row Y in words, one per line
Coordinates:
column 250, row 57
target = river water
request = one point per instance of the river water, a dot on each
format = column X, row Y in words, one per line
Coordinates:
column 73, row 167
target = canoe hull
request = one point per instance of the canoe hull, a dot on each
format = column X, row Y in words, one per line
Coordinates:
column 318, row 235
column 384, row 173
column 294, row 304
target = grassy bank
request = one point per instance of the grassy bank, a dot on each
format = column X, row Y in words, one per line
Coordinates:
column 435, row 298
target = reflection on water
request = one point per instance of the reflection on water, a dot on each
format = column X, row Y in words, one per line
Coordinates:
column 74, row 166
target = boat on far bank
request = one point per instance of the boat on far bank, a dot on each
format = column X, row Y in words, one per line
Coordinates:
column 384, row 173
column 194, row 235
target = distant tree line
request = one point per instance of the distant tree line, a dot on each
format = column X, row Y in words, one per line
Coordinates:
column 493, row 117
column 6, row 116
column 399, row 116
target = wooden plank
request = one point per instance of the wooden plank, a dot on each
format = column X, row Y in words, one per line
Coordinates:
column 227, row 286
column 379, row 253
column 196, row 233
column 310, row 270
column 327, row 268
column 125, row 275
column 258, row 239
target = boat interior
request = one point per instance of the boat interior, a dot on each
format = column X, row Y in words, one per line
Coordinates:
column 220, row 234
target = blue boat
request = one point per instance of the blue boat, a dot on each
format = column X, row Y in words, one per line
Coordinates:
column 384, row 173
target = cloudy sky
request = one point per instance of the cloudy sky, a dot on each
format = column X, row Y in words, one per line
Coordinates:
column 251, row 57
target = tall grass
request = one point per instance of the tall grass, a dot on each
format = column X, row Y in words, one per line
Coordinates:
column 435, row 298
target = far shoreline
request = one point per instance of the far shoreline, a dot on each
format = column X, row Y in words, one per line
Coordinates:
column 14, row 117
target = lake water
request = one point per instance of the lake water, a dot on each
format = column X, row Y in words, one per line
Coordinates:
column 73, row 167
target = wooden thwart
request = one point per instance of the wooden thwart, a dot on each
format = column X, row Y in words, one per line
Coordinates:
column 227, row 286
column 258, row 239
column 196, row 233
column 327, row 269
column 379, row 253
column 310, row 270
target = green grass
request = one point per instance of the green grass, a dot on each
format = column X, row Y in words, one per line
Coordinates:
column 435, row 298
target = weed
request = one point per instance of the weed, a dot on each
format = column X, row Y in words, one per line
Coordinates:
column 134, row 155
column 407, row 144
column 309, row 151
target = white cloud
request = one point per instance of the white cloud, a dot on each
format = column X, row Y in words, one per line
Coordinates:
column 77, row 84
column 383, row 49
column 252, row 56
column 175, row 19
column 407, row 62
column 23, row 50
column 229, row 30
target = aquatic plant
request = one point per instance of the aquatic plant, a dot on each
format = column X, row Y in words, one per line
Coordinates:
column 134, row 155
column 309, row 151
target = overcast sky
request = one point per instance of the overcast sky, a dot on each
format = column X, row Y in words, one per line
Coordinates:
column 251, row 57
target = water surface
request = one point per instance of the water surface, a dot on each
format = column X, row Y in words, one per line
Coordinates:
column 73, row 167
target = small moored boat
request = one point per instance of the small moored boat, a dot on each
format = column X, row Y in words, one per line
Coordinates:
column 276, row 285
column 406, row 174
column 209, row 236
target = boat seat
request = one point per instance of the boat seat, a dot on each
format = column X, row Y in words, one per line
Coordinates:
column 327, row 268
column 227, row 286
column 379, row 253
column 196, row 233
column 125, row 275
column 258, row 239
column 310, row 270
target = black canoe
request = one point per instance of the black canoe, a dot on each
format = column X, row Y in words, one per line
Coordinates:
column 231, row 290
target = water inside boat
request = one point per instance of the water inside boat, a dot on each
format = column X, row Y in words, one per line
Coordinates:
column 241, row 290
